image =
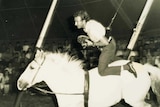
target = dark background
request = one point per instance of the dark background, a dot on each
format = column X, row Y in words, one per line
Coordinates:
column 23, row 19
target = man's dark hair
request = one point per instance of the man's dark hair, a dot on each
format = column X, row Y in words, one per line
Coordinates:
column 83, row 14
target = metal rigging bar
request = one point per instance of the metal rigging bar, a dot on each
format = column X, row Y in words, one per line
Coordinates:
column 46, row 25
column 139, row 25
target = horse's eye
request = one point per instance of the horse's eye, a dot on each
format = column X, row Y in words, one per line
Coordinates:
column 31, row 67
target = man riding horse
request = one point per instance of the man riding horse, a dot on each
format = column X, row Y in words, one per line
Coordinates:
column 97, row 36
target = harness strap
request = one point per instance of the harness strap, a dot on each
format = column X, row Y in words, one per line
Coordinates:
column 86, row 89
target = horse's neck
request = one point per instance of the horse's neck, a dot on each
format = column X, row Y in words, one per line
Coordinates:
column 69, row 83
column 69, row 90
column 68, row 93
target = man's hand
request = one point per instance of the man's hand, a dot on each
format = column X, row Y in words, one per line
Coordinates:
column 85, row 41
column 89, row 42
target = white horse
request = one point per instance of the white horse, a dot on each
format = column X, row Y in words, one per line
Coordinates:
column 65, row 76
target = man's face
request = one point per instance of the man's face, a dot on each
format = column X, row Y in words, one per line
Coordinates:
column 79, row 22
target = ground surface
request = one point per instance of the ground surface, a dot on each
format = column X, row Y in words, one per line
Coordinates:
column 28, row 100
column 37, row 100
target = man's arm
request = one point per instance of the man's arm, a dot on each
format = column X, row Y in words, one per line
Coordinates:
column 102, row 42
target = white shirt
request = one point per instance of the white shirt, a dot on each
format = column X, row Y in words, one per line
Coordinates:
column 95, row 30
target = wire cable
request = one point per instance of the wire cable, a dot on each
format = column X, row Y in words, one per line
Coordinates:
column 114, row 16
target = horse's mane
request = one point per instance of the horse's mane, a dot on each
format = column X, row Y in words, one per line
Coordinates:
column 64, row 59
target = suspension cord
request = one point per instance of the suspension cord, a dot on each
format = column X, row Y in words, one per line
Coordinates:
column 114, row 16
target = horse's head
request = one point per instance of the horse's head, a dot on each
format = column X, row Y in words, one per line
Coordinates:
column 56, row 69
column 29, row 76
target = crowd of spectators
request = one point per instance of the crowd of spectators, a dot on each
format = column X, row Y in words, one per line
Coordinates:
column 13, row 59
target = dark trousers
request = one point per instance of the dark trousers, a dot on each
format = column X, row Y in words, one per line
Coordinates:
column 106, row 57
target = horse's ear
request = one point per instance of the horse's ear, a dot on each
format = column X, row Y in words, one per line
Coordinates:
column 39, row 54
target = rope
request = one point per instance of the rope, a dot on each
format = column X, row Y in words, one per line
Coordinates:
column 114, row 16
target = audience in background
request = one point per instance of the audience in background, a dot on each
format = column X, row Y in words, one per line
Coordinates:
column 6, row 82
column 1, row 79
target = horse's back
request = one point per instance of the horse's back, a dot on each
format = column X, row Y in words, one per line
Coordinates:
column 104, row 91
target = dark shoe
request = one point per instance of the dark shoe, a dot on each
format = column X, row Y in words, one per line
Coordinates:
column 131, row 69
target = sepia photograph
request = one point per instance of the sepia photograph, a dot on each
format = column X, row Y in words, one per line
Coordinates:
column 79, row 53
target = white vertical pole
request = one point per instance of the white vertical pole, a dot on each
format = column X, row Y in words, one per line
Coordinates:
column 140, row 23
column 46, row 24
